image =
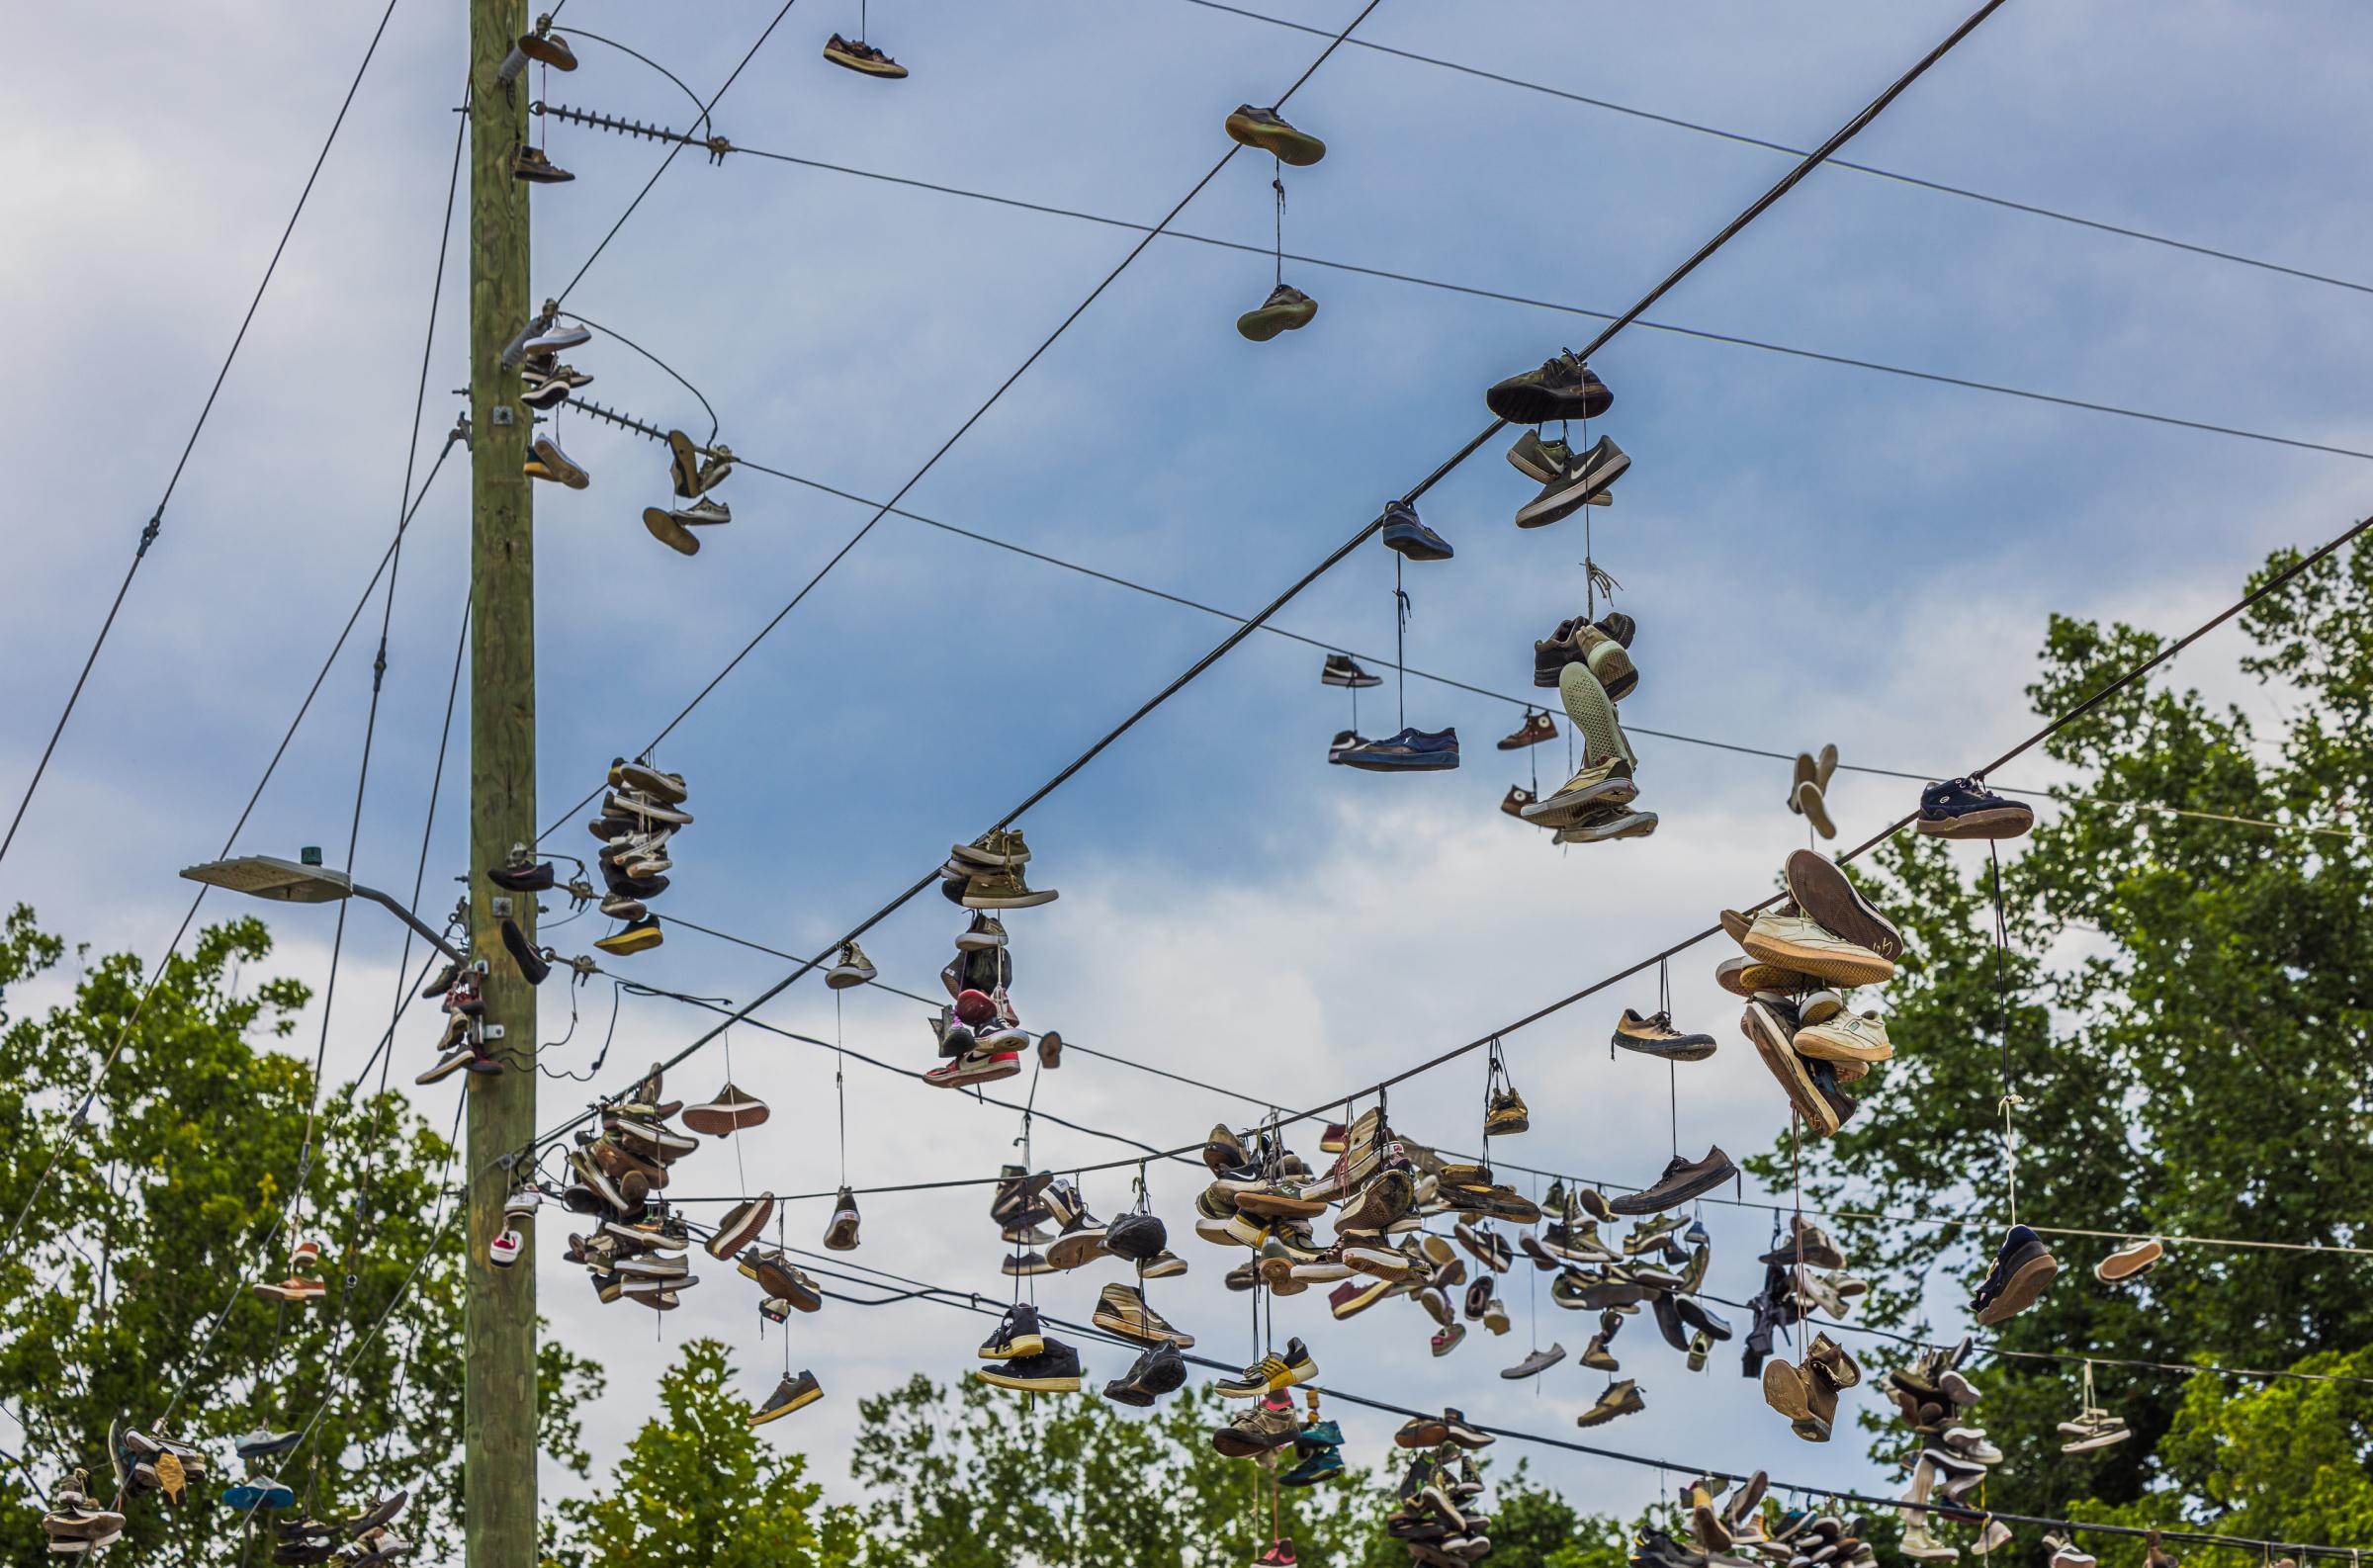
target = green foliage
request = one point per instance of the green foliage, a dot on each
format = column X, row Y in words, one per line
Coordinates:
column 700, row 1485
column 2189, row 1028
column 974, row 1477
column 152, row 1227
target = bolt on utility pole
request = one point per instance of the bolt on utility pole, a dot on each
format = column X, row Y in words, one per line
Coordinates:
column 498, row 1401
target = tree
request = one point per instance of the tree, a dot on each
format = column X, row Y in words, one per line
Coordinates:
column 155, row 1219
column 972, row 1477
column 2201, row 1065
column 700, row 1485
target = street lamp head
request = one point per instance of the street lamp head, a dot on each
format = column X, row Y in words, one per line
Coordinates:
column 270, row 877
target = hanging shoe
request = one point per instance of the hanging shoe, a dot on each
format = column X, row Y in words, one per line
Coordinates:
column 668, row 531
column 1346, row 745
column 1287, row 309
column 706, row 512
column 1846, row 1037
column 1829, row 897
column 1266, row 131
column 555, row 337
column 861, row 57
column 1656, row 1036
column 551, row 463
column 1581, row 482
column 1160, row 1369
column 1341, row 670
column 1601, row 823
column 792, row 1393
column 1055, row 1369
column 1966, row 808
column 1682, row 1181
column 1506, row 1115
column 542, row 391
column 638, row 937
column 1404, row 534
column 1563, row 388
column 1413, row 750
column 1619, row 1400
column 730, row 1111
column 2023, row 1271
column 851, row 968
column 714, row 466
column 1604, row 782
column 530, row 164
column 840, row 1234
column 2130, row 1261
column 1536, row 1364
column 1516, row 799
column 1004, row 889
column 1536, row 728
column 975, row 1066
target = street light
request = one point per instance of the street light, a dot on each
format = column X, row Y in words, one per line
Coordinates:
column 270, row 877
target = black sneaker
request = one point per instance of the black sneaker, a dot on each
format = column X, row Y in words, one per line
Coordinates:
column 1341, row 670
column 2023, row 1269
column 1563, row 388
column 1138, row 1238
column 1054, row 1369
column 1405, row 534
column 536, row 878
column 1965, row 809
column 1159, row 1371
column 1016, row 1335
column 792, row 1393
column 532, row 964
column 1682, row 1181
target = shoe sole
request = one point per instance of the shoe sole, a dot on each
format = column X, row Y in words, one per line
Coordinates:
column 1631, row 825
column 1788, row 1067
column 1031, row 1385
column 2026, row 1286
column 1578, row 493
column 2109, row 1271
column 1536, row 405
column 1824, row 1045
column 1843, row 969
column 2087, row 1445
column 1294, row 147
column 1025, row 901
column 725, row 1243
column 1262, row 325
column 801, row 1402
column 1139, row 1332
column 1823, row 891
column 1687, row 1048
column 1995, row 821
column 1353, row 683
column 1013, row 1349
column 1567, row 806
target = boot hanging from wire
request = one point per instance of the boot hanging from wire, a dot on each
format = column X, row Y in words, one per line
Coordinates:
column 1286, row 309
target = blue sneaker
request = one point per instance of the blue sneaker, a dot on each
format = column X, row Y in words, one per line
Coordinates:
column 1410, row 751
column 1965, row 809
column 2023, row 1269
column 1319, row 1435
column 1412, row 538
column 1314, row 1467
column 249, row 1496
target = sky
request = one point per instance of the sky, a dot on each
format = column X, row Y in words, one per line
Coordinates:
column 1814, row 553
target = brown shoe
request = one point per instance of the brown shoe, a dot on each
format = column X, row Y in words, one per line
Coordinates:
column 741, row 1226
column 731, row 1110
column 1536, row 728
column 1518, row 798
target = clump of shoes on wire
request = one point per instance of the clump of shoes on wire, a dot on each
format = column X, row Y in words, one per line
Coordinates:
column 545, row 383
column 641, row 815
column 694, row 472
column 1440, row 1516
column 1802, row 955
column 978, row 1033
column 1590, row 663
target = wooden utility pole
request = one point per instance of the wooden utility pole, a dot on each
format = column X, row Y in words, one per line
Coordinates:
column 498, row 1400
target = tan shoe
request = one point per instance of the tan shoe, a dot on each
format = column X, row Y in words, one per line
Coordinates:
column 1798, row 943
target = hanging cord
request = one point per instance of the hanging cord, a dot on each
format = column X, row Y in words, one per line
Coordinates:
column 740, row 1173
column 839, row 1086
column 1276, row 183
column 2010, row 1094
column 1664, row 1005
column 1400, row 637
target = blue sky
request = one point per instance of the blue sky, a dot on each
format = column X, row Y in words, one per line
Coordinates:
column 1815, row 553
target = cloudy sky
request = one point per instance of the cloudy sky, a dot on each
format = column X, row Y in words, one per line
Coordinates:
column 1814, row 553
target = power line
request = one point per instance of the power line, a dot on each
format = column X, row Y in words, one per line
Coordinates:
column 1744, row 139
column 1377, row 1089
column 747, row 56
column 974, row 418
column 970, row 1302
column 1786, row 183
column 645, row 428
column 156, row 519
column 587, row 117
column 1497, row 1161
column 163, row 965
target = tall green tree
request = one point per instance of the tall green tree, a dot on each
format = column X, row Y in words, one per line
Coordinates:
column 154, row 1221
column 972, row 1477
column 700, row 1485
column 2184, row 1011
